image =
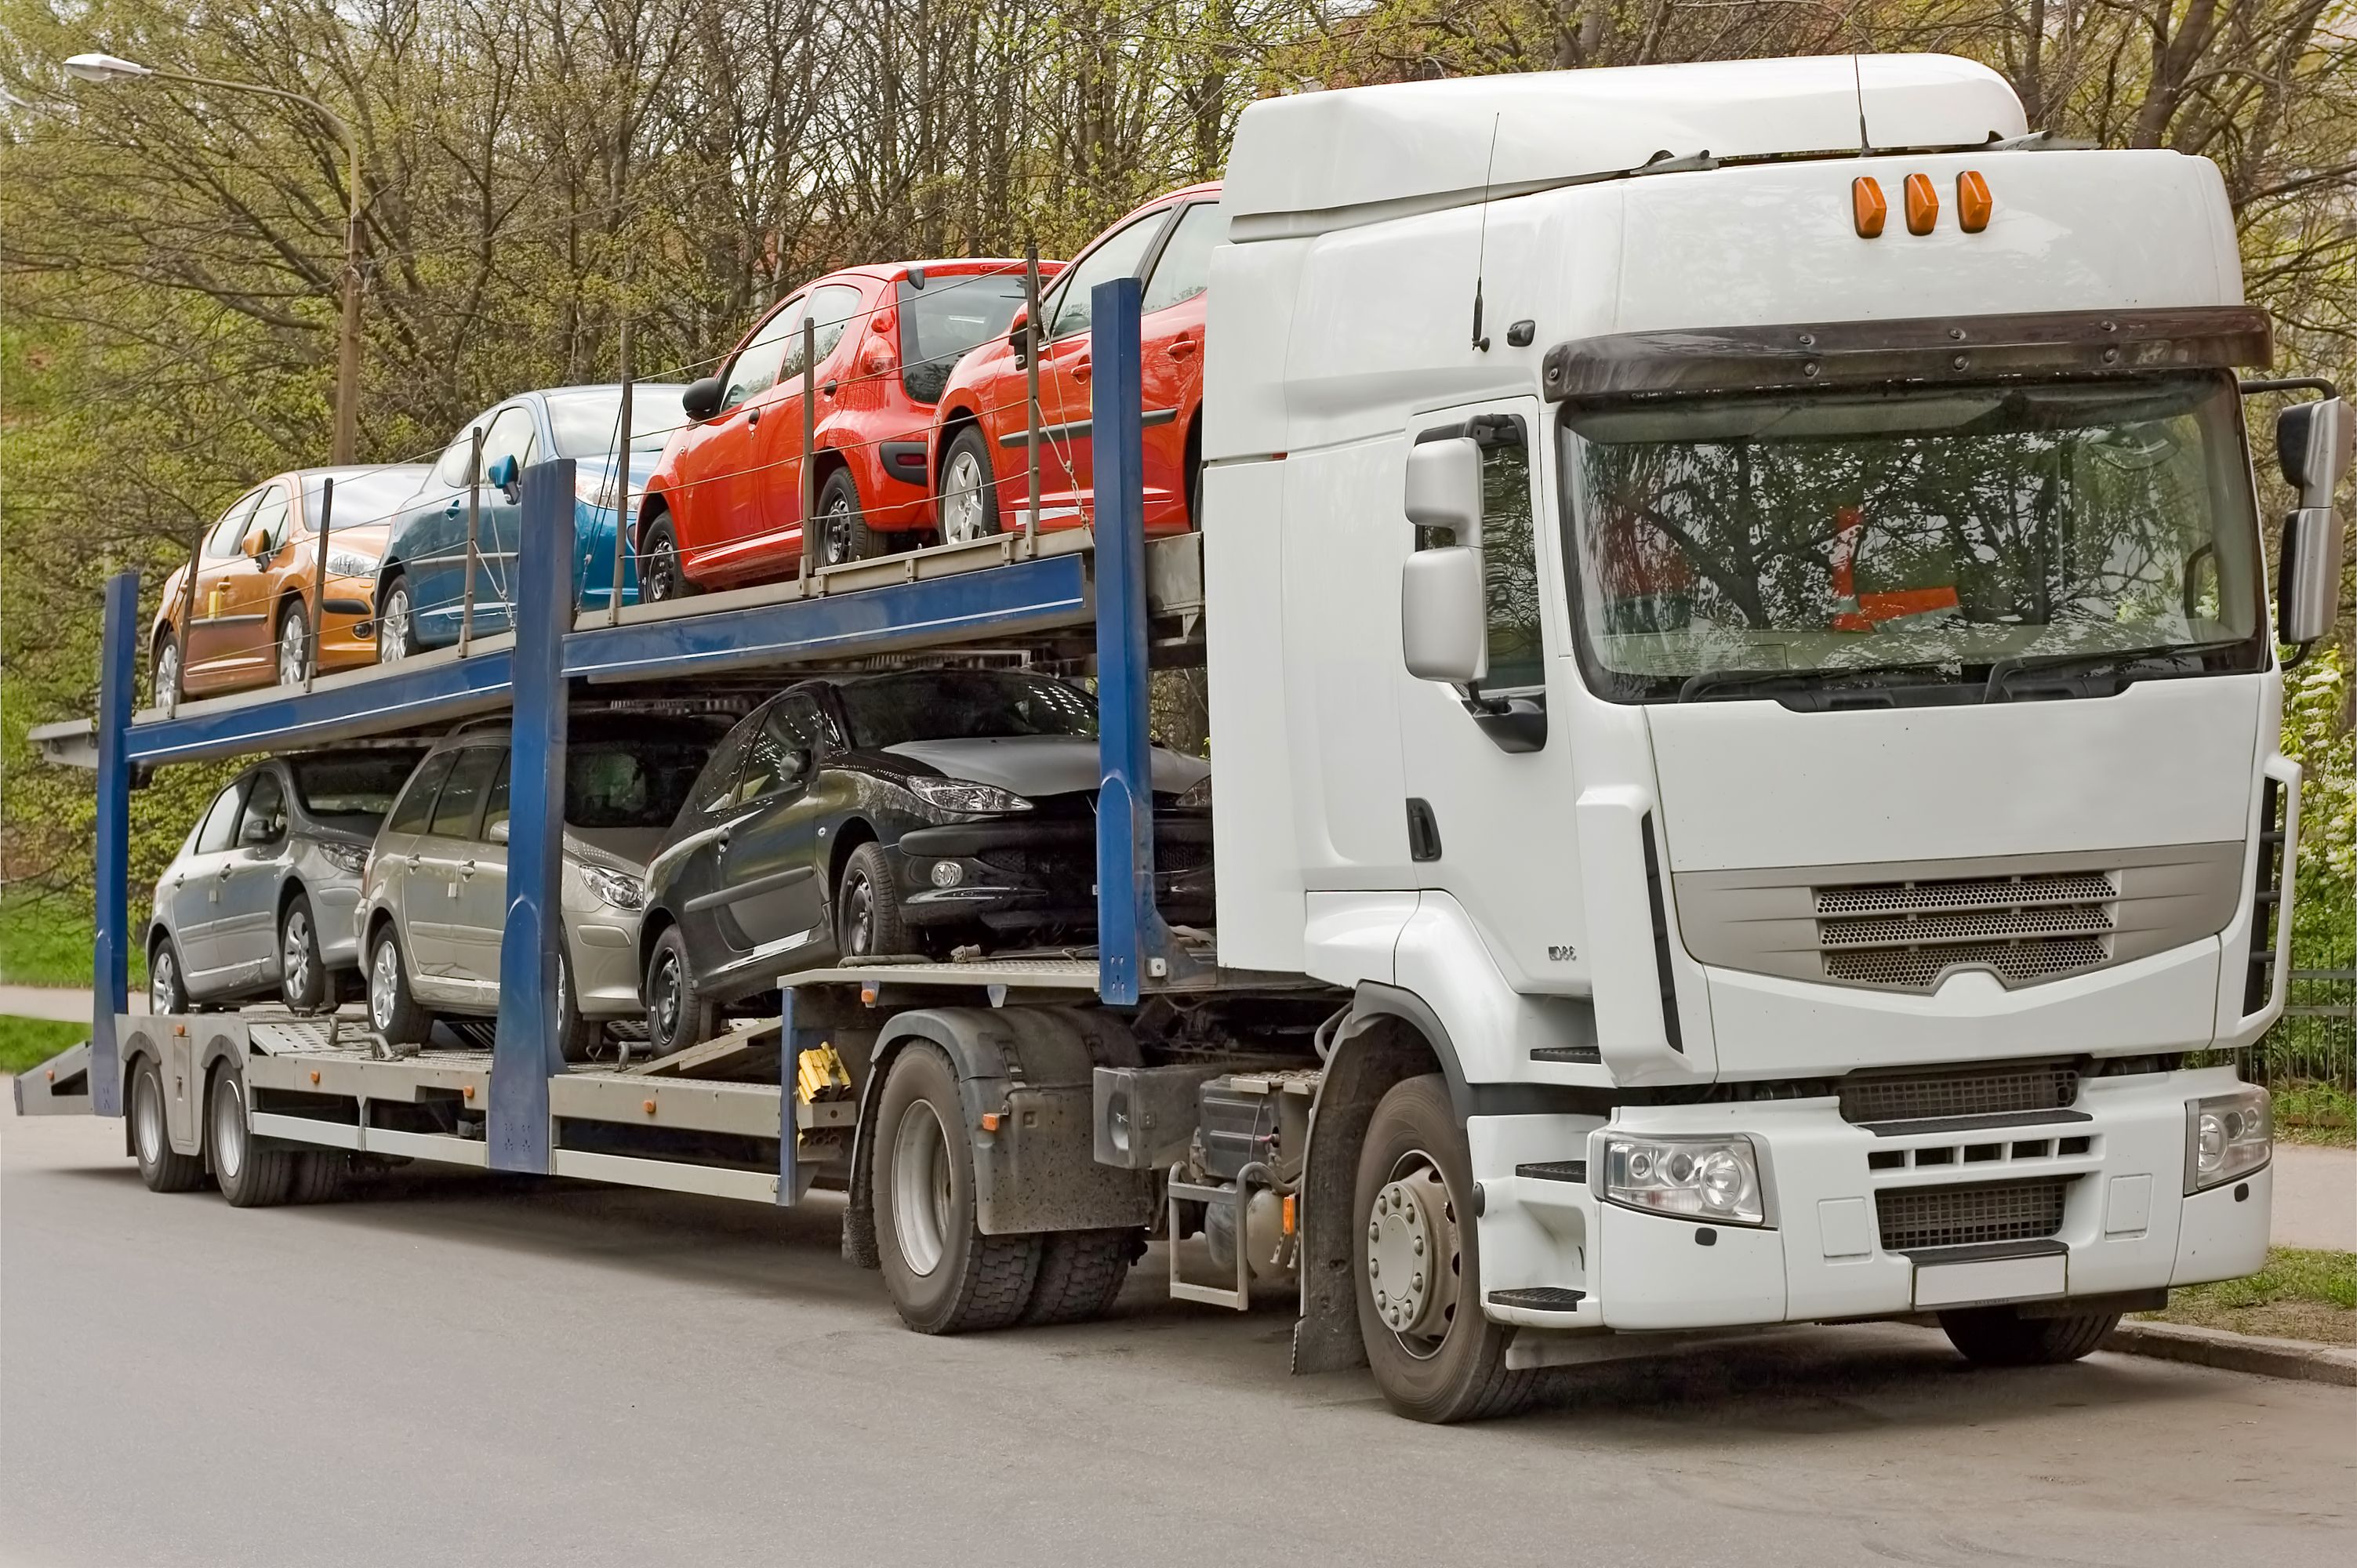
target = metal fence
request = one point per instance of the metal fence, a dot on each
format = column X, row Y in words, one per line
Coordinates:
column 2309, row 1058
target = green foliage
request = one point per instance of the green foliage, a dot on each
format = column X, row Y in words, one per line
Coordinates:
column 2326, row 1279
column 27, row 1043
column 2317, row 736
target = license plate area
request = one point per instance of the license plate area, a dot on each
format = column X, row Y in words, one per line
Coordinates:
column 1972, row 1281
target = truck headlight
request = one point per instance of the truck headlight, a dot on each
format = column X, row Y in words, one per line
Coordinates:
column 1694, row 1178
column 617, row 888
column 2227, row 1136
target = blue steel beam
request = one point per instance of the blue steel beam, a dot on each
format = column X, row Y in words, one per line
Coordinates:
column 400, row 697
column 118, row 657
column 525, row 1050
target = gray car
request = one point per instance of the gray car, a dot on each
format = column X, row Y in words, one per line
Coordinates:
column 260, row 898
column 433, row 899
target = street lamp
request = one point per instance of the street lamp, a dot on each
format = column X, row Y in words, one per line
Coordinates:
column 106, row 68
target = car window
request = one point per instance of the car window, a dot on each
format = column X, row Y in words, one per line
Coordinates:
column 270, row 516
column 512, row 434
column 452, row 470
column 831, row 310
column 362, row 497
column 630, row 783
column 416, row 808
column 755, row 369
column 220, row 829
column 962, row 705
column 582, row 423
column 495, row 804
column 1184, row 268
column 264, row 822
column 221, row 543
column 940, row 324
column 351, row 789
column 718, row 781
column 462, row 797
column 1116, row 257
column 781, row 753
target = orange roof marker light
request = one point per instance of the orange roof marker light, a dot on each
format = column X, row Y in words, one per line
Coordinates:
column 1922, row 204
column 1974, row 203
column 1867, row 207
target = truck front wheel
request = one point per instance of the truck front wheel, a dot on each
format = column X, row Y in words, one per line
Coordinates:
column 2001, row 1337
column 1417, row 1265
column 945, row 1275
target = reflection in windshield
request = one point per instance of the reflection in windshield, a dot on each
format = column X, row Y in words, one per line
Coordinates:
column 1950, row 529
column 635, row 784
column 940, row 324
column 583, row 421
column 359, row 784
column 962, row 705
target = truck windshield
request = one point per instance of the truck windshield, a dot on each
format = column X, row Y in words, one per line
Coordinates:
column 1911, row 537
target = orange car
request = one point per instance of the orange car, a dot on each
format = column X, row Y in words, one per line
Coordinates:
column 250, row 617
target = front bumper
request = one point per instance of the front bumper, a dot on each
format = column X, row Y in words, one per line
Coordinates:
column 1016, row 874
column 2125, row 1225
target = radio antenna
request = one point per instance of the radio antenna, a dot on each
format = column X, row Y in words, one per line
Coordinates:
column 1857, row 81
column 1481, row 251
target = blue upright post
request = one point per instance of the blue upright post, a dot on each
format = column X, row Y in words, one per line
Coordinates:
column 526, row 1051
column 111, row 966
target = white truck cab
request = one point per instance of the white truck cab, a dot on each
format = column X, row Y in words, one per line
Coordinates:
column 1737, row 618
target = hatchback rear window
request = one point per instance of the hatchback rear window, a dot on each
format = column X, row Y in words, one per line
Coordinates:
column 946, row 320
column 629, row 784
column 361, row 784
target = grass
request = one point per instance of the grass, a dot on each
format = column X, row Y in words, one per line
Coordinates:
column 2298, row 1296
column 27, row 1043
column 47, row 938
column 2316, row 1113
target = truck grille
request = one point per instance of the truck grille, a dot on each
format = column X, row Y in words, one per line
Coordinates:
column 1987, row 1091
column 1914, row 1219
column 1903, row 936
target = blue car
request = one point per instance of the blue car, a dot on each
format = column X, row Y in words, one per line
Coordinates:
column 421, row 584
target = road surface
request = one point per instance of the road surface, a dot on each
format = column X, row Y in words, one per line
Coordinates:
column 458, row 1368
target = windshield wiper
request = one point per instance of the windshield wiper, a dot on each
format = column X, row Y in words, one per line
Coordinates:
column 1709, row 683
column 2095, row 660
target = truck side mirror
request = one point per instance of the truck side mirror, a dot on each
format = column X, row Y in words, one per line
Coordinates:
column 1444, row 619
column 1444, row 487
column 701, row 400
column 2314, row 446
column 505, row 476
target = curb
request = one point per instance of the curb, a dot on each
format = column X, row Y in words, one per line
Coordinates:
column 2303, row 1359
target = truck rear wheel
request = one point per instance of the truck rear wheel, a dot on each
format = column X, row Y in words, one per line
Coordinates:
column 151, row 1139
column 2001, row 1337
column 1081, row 1276
column 1416, row 1265
column 250, row 1174
column 945, row 1275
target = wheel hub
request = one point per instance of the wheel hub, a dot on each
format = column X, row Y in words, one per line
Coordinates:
column 296, row 958
column 383, row 975
column 921, row 1195
column 229, row 1130
column 1411, row 1249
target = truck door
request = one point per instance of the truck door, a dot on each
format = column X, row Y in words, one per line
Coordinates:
column 1496, row 818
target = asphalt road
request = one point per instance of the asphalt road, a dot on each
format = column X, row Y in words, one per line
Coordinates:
column 455, row 1368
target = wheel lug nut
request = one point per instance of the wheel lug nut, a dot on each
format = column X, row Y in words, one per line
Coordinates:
column 1419, row 1246
column 1416, row 1284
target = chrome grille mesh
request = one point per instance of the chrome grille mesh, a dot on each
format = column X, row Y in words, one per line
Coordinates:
column 1903, row 936
column 1989, row 1091
column 1912, row 1218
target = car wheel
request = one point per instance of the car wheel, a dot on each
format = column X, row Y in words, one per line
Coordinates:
column 867, row 908
column 844, row 535
column 163, row 674
column 943, row 1274
column 393, row 1013
column 577, row 1038
column 162, row 1168
column 1417, row 1265
column 678, row 1013
column 302, row 973
column 661, row 574
column 293, row 644
column 969, row 505
column 168, row 989
column 396, row 623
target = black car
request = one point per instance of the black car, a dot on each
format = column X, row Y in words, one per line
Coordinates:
column 896, row 813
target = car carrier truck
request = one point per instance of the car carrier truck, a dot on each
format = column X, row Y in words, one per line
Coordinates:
column 1744, row 763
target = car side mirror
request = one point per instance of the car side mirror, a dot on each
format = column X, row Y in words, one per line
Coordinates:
column 1019, row 335
column 702, row 399
column 506, row 476
column 498, row 831
column 2315, row 443
column 257, row 833
column 256, row 545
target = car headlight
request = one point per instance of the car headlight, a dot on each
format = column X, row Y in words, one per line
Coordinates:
column 964, row 795
column 1694, row 1178
column 619, row 889
column 347, row 563
column 2227, row 1136
column 1197, row 797
column 594, row 489
column 351, row 859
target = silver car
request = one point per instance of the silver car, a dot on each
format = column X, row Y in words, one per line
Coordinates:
column 433, row 899
column 260, row 898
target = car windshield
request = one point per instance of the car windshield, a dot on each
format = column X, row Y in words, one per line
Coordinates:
column 584, row 422
column 354, row 790
column 1942, row 531
column 953, row 704
column 942, row 322
column 369, row 497
column 630, row 783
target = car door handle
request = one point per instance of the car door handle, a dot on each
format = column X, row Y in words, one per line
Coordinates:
column 1184, row 349
column 465, row 868
column 753, row 417
column 1080, row 368
column 223, row 872
column 827, row 389
column 723, row 838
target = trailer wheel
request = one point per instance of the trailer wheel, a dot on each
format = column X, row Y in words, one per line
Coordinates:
column 393, row 1013
column 160, row 1167
column 302, row 973
column 678, row 1013
column 2000, row 1336
column 319, row 1175
column 250, row 1174
column 1416, row 1265
column 1081, row 1276
column 945, row 1275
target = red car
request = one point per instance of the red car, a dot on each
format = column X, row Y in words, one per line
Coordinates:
column 724, row 506
column 979, row 433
